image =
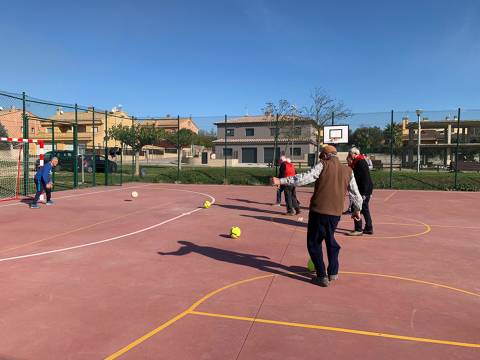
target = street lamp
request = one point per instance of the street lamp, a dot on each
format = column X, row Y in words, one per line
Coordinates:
column 419, row 137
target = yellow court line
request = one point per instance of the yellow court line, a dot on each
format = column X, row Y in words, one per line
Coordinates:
column 428, row 228
column 343, row 330
column 192, row 310
column 457, row 227
column 390, row 196
column 411, row 280
column 180, row 316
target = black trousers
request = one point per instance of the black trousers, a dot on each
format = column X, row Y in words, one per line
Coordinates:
column 290, row 198
column 366, row 214
column 279, row 194
column 322, row 227
column 40, row 187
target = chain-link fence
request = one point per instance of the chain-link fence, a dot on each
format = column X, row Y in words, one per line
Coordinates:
column 437, row 150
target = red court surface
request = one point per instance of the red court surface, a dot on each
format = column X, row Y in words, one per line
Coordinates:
column 101, row 276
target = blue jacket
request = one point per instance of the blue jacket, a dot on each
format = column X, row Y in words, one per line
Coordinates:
column 44, row 172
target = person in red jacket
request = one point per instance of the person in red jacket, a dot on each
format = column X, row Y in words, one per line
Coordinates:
column 287, row 169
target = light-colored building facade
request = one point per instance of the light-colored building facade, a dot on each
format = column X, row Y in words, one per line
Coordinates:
column 90, row 129
column 12, row 120
column 170, row 124
column 251, row 139
column 438, row 140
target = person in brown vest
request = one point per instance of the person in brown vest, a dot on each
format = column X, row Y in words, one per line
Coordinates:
column 331, row 179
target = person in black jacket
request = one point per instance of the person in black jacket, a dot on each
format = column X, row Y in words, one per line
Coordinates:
column 361, row 172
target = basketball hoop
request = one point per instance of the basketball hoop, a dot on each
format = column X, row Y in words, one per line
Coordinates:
column 334, row 140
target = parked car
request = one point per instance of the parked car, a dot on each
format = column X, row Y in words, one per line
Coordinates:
column 99, row 164
column 65, row 160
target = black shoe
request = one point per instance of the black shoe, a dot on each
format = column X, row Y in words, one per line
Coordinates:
column 298, row 211
column 290, row 213
column 368, row 232
column 348, row 212
column 320, row 281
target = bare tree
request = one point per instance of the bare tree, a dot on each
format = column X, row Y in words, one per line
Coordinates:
column 321, row 108
column 287, row 114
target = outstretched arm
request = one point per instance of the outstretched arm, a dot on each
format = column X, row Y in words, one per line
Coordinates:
column 305, row 178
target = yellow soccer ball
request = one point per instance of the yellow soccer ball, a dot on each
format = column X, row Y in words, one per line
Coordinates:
column 310, row 265
column 235, row 232
column 207, row 204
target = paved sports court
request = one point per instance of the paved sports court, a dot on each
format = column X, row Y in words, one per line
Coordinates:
column 103, row 276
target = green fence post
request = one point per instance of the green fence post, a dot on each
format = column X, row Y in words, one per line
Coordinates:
column 179, row 156
column 107, row 166
column 133, row 160
column 121, row 164
column 391, row 147
column 456, row 150
column 53, row 147
column 75, row 149
column 26, row 152
column 275, row 145
column 94, row 155
column 333, row 118
column 225, row 181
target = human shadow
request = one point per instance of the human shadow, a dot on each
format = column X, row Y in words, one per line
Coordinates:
column 262, row 203
column 248, row 208
column 284, row 221
column 259, row 262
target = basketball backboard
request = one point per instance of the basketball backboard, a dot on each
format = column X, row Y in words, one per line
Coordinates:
column 335, row 134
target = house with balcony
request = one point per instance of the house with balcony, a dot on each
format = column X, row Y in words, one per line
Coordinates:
column 90, row 129
column 252, row 139
column 170, row 124
column 438, row 141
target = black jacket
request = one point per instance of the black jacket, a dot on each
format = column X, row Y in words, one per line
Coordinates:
column 362, row 177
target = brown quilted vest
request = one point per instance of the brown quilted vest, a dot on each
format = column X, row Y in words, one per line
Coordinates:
column 329, row 194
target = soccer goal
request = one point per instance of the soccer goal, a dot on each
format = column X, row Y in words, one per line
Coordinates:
column 18, row 166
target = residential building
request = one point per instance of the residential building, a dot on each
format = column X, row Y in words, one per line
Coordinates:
column 251, row 139
column 438, row 140
column 90, row 129
column 12, row 119
column 170, row 124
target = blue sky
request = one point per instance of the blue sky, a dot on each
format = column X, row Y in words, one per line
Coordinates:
column 213, row 57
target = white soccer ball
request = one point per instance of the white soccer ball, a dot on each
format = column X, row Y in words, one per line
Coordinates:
column 134, row 194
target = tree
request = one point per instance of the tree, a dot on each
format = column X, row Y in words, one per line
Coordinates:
column 397, row 136
column 369, row 139
column 136, row 136
column 3, row 133
column 206, row 138
column 321, row 108
column 287, row 114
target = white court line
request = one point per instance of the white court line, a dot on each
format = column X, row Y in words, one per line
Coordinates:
column 116, row 237
column 83, row 194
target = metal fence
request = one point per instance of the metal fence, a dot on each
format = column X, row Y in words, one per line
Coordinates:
column 420, row 150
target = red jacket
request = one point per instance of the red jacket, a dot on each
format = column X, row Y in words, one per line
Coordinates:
column 289, row 169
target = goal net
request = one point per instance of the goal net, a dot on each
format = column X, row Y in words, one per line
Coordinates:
column 19, row 159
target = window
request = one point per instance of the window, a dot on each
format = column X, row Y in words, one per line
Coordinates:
column 33, row 130
column 82, row 128
column 48, row 130
column 296, row 151
column 297, row 131
column 95, row 129
column 227, row 152
column 230, row 132
column 272, row 131
column 250, row 132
